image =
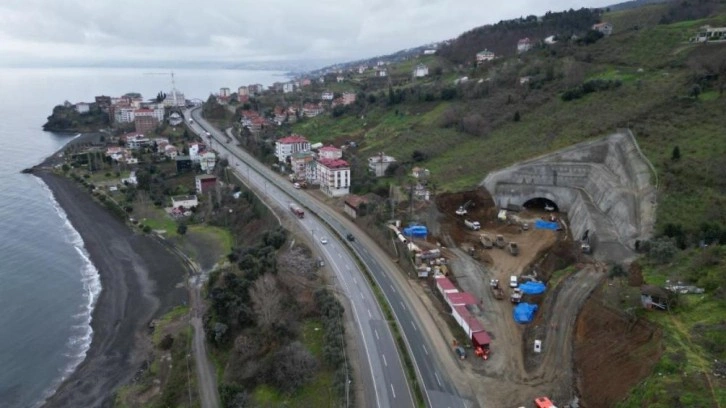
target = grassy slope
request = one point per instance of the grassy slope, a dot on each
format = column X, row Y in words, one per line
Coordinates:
column 652, row 63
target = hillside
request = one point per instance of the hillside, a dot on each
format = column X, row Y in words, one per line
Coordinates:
column 463, row 121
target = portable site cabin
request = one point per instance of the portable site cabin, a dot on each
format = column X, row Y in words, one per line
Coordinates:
column 460, row 299
column 480, row 339
column 467, row 322
column 444, row 286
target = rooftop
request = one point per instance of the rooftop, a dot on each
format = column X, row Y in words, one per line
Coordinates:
column 292, row 139
column 334, row 163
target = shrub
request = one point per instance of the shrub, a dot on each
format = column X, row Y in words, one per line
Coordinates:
column 662, row 249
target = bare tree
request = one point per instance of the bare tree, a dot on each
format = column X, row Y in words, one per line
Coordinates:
column 297, row 262
column 266, row 301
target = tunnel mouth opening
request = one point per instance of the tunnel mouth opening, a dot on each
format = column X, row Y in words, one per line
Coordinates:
column 541, row 203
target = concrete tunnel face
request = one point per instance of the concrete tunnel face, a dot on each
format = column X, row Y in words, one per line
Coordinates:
column 541, row 203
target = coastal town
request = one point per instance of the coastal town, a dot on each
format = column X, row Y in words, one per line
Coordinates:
column 460, row 224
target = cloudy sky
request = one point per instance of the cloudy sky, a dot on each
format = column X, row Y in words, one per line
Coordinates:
column 51, row 32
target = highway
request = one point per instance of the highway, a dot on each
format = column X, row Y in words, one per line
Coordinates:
column 384, row 378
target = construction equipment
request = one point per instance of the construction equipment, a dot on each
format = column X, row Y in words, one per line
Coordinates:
column 463, row 209
column 486, row 241
column 472, row 225
column 513, row 248
column 496, row 289
column 516, row 295
column 500, row 242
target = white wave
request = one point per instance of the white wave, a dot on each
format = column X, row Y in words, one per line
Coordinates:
column 78, row 344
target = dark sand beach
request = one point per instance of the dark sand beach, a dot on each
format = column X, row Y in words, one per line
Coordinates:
column 141, row 279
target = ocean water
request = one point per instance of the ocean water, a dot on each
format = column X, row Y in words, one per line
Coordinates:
column 48, row 286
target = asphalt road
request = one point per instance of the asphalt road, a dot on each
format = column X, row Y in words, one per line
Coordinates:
column 385, row 378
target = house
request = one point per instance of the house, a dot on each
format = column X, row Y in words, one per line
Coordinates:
column 115, row 153
column 175, row 119
column 103, row 102
column 330, row 152
column 605, row 28
column 183, row 163
column 419, row 173
column 362, row 69
column 524, row 80
column 279, row 115
column 243, row 91
column 170, row 151
column 288, row 145
column 339, row 79
column 524, row 45
column 354, row 205
column 550, row 40
column 207, row 161
column 312, row 110
column 327, row 96
column 196, row 150
column 130, row 180
column 224, row 92
column 348, row 98
column 710, row 34
column 123, row 114
column 654, row 297
column 429, row 52
column 420, row 71
column 381, row 73
column 304, row 167
column 305, row 82
column 184, row 202
column 145, row 124
column 82, row 107
column 205, row 183
column 379, row 163
column 484, row 56
column 135, row 141
column 334, row 177
column 288, row 87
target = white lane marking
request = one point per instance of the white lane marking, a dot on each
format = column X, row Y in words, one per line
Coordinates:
column 385, row 363
column 376, row 332
column 361, row 295
column 438, row 380
column 370, row 316
column 354, row 279
column 414, row 326
column 425, row 351
column 340, row 255
column 393, row 391
column 402, row 305
column 392, row 288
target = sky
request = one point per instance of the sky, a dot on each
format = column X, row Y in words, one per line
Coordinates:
column 79, row 32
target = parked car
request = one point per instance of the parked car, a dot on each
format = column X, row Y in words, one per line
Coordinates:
column 513, row 281
column 323, row 240
column 350, row 237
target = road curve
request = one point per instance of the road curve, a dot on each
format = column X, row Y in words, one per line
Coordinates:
column 385, row 378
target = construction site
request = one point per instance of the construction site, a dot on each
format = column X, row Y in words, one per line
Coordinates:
column 518, row 289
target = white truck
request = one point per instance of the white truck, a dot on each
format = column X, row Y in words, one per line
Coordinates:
column 472, row 225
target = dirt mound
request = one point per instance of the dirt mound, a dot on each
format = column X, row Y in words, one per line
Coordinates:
column 613, row 353
column 481, row 207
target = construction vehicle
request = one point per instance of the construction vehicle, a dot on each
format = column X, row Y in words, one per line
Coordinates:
column 516, row 295
column 496, row 289
column 585, row 243
column 472, row 225
column 500, row 242
column 543, row 402
column 513, row 248
column 297, row 210
column 463, row 209
column 486, row 241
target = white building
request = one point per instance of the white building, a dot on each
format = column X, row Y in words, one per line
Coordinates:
column 175, row 99
column 605, row 28
column 184, row 201
column 195, row 151
column 288, row 87
column 379, row 163
column 82, row 107
column 339, row 79
column 330, row 152
column 175, row 119
column 243, row 91
column 334, row 177
column 348, row 98
column 524, row 45
column 304, row 166
column 207, row 161
column 327, row 96
column 137, row 141
column 288, row 145
column 483, row 56
column 124, row 115
column 420, row 71
column 224, row 92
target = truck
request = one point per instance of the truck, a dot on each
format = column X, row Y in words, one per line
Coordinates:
column 496, row 289
column 516, row 295
column 500, row 242
column 486, row 241
column 297, row 210
column 472, row 225
column 513, row 248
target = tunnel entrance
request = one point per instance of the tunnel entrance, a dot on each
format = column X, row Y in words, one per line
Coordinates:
column 541, row 203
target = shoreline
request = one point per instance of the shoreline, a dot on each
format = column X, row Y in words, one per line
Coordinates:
column 140, row 280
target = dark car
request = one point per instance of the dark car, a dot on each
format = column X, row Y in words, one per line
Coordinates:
column 350, row 237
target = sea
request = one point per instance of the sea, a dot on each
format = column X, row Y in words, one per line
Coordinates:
column 48, row 285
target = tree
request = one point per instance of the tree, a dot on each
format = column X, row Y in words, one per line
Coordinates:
column 676, row 155
column 695, row 91
column 266, row 301
column 517, row 117
column 292, row 367
column 181, row 229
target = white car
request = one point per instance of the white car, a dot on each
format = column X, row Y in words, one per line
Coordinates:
column 323, row 240
column 513, row 281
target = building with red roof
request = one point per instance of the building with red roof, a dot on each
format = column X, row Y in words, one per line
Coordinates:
column 330, row 152
column 334, row 176
column 286, row 146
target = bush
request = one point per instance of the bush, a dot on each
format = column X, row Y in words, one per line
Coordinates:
column 146, row 229
column 662, row 249
column 166, row 342
column 292, row 367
